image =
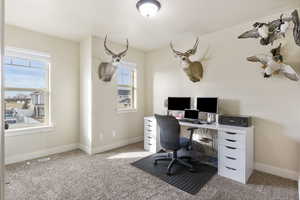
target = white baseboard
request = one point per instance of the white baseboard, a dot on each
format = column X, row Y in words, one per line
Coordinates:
column 285, row 173
column 117, row 144
column 85, row 148
column 70, row 147
column 39, row 154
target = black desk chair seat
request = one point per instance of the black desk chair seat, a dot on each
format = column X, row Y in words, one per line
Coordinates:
column 170, row 140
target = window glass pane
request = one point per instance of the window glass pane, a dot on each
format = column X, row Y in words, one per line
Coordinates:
column 24, row 77
column 24, row 108
column 37, row 63
column 20, row 61
column 125, row 98
column 126, row 87
column 125, row 76
column 7, row 60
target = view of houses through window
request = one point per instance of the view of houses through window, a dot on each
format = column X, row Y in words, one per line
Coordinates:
column 26, row 92
column 126, row 80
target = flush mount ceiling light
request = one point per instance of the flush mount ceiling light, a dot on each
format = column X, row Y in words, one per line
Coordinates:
column 148, row 8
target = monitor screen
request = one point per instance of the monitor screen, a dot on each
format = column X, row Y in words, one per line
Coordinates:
column 179, row 103
column 209, row 105
column 191, row 114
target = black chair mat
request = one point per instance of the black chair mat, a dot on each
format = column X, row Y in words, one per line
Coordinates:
column 190, row 182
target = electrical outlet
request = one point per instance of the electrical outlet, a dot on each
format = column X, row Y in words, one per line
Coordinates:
column 114, row 133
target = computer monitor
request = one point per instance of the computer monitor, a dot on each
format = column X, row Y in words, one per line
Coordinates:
column 179, row 103
column 207, row 104
column 191, row 114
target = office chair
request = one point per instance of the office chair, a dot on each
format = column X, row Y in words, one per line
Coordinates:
column 170, row 140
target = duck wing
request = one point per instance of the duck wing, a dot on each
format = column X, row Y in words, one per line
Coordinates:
column 296, row 22
column 275, row 25
column 262, row 58
column 289, row 72
column 250, row 34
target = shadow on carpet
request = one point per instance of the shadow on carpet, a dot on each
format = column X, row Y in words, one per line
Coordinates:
column 181, row 177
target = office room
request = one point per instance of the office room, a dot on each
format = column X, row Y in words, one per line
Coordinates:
column 150, row 99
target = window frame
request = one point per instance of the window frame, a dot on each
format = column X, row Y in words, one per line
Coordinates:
column 134, row 88
column 38, row 56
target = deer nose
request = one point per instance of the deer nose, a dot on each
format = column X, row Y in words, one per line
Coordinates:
column 183, row 58
column 118, row 60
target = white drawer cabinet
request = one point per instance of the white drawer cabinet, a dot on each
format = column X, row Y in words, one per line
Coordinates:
column 151, row 135
column 235, row 154
column 235, row 147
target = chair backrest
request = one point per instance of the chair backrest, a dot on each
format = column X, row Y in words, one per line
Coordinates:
column 169, row 132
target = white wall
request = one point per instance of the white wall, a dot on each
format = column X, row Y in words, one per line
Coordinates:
column 105, row 118
column 274, row 103
column 65, row 94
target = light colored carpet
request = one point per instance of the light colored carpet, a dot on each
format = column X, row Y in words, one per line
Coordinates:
column 109, row 176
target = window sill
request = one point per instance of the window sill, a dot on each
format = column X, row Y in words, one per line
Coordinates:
column 127, row 111
column 29, row 131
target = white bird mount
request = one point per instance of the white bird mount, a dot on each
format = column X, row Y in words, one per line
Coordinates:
column 273, row 64
column 276, row 29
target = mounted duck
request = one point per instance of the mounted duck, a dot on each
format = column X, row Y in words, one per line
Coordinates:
column 274, row 64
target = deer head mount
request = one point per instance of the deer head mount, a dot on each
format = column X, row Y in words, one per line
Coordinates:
column 193, row 69
column 107, row 70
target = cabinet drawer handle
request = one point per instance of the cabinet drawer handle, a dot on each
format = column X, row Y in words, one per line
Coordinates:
column 149, row 144
column 228, row 147
column 230, row 168
column 229, row 140
column 231, row 158
column 230, row 133
column 149, row 137
column 149, row 120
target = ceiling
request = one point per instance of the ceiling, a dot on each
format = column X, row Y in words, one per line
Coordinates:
column 76, row 19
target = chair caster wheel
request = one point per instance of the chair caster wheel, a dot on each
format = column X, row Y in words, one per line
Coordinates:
column 155, row 163
column 169, row 174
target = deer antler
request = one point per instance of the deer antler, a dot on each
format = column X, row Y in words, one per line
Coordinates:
column 194, row 49
column 178, row 53
column 107, row 50
column 123, row 53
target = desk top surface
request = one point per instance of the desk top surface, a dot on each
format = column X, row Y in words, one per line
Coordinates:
column 215, row 126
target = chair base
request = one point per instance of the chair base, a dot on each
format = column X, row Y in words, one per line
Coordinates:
column 172, row 157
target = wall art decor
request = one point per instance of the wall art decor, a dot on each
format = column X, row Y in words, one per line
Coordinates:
column 269, row 32
column 193, row 69
column 273, row 64
column 106, row 70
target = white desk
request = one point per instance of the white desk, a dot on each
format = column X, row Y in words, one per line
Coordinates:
column 235, row 147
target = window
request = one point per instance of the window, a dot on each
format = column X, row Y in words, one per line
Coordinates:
column 126, row 80
column 26, row 89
